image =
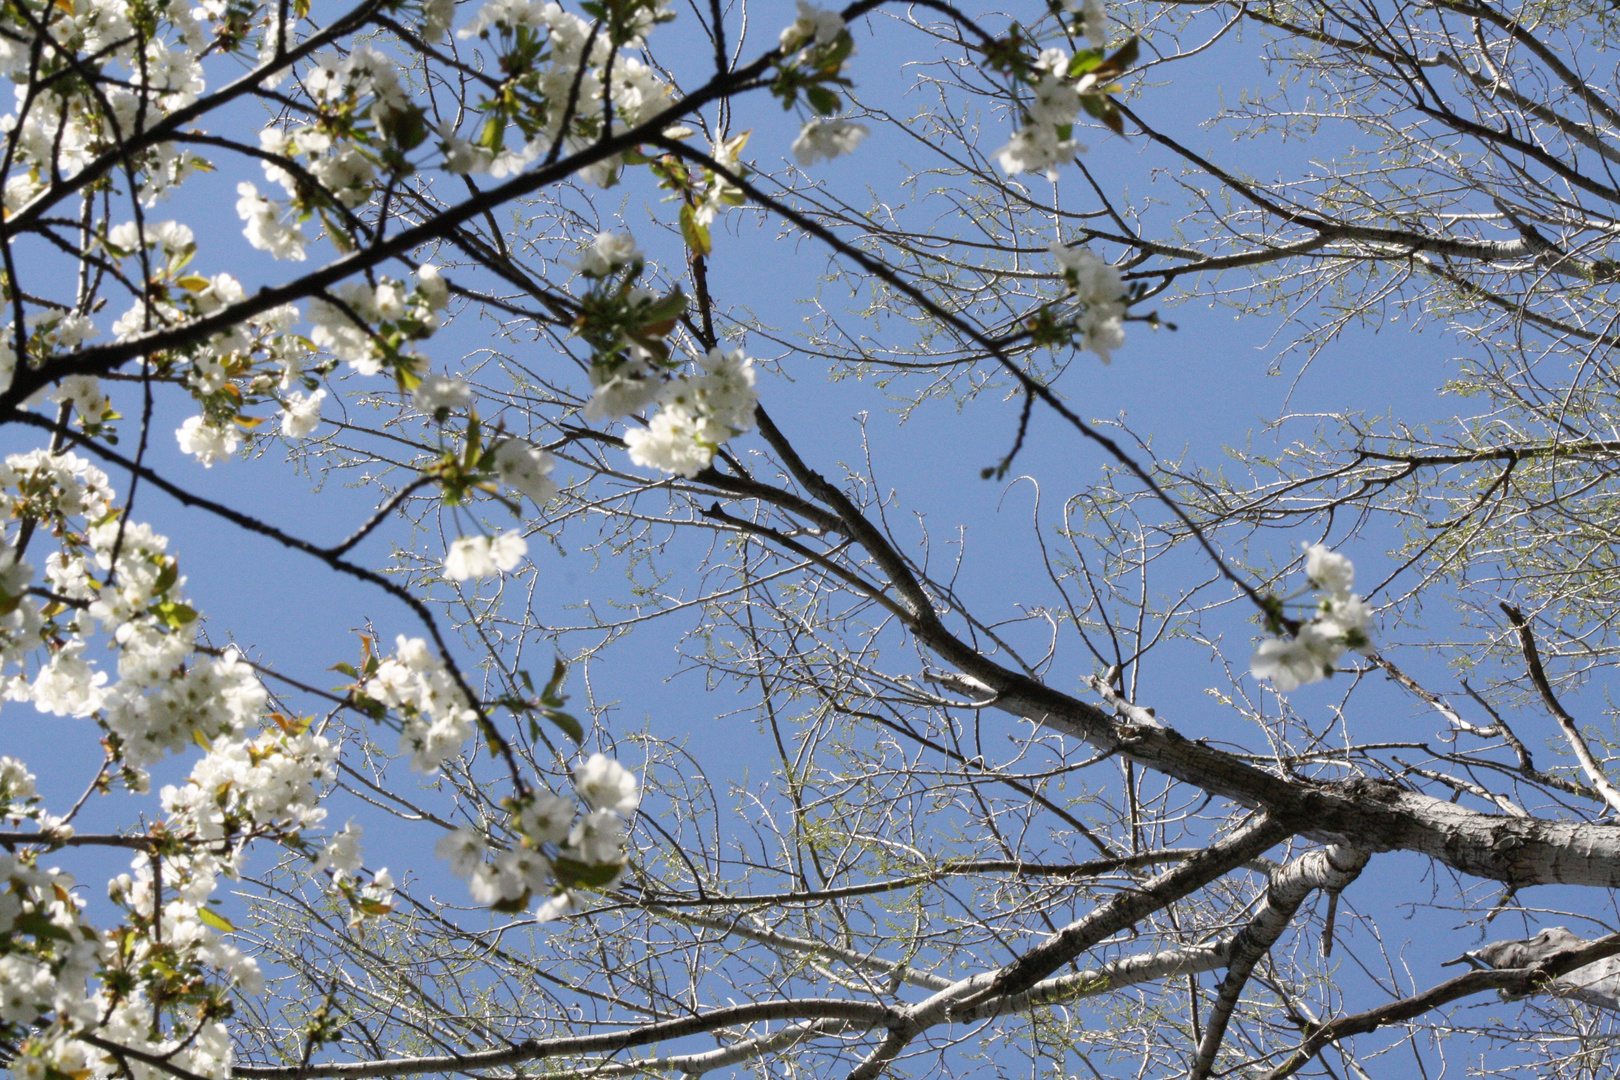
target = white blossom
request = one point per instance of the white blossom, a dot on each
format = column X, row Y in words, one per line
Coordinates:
column 1287, row 664
column 1329, row 571
column 463, row 849
column 1099, row 294
column 341, row 855
column 815, row 24
column 265, row 229
column 620, row 395
column 206, row 442
column 607, row 253
column 1046, row 138
column 1093, row 17
column 439, row 395
column 597, row 838
column 301, row 414
column 823, row 140
column 68, row 685
column 84, row 392
column 606, row 785
column 1339, row 623
column 437, row 15
column 558, row 905
column 672, row 442
column 479, row 556
column 435, row 291
column 506, row 15
column 527, row 468
column 696, row 414
column 545, row 818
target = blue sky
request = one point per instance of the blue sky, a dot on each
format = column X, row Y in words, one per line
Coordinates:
column 1200, row 388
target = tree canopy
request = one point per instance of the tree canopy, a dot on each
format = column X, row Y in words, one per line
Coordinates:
column 623, row 538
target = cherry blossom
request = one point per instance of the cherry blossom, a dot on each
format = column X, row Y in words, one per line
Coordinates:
column 823, row 140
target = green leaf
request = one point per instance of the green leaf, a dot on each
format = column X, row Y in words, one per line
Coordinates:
column 554, row 684
column 473, row 449
column 1120, row 62
column 824, row 101
column 571, row 873
column 695, row 235
column 406, row 128
column 1085, row 60
column 570, row 726
column 665, row 308
column 832, row 56
column 406, row 377
column 174, row 615
column 167, row 576
column 1104, row 109
column 38, row 925
column 210, row 917
column 492, row 133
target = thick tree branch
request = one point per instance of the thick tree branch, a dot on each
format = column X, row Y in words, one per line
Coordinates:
column 1512, row 981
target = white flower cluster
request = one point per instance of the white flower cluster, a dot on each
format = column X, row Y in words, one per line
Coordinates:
column 202, row 1049
column 637, row 93
column 1093, row 19
column 527, row 468
column 473, row 557
column 815, row 26
column 254, row 781
column 17, row 793
column 341, row 858
column 823, row 140
column 626, row 324
column 258, row 358
column 390, row 317
column 206, row 441
column 696, row 413
column 436, row 717
column 222, row 374
column 607, row 253
column 560, row 844
column 267, row 226
column 47, row 960
column 365, row 83
column 57, row 490
column 166, row 697
column 1099, row 295
column 440, row 395
column 107, row 634
column 274, row 778
column 1046, row 137
column 59, row 127
column 1340, row 622
column 301, row 414
column 55, row 331
column 361, row 86
column 817, row 40
column 172, row 237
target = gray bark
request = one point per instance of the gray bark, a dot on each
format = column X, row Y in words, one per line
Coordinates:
column 1373, row 814
column 1595, row 984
